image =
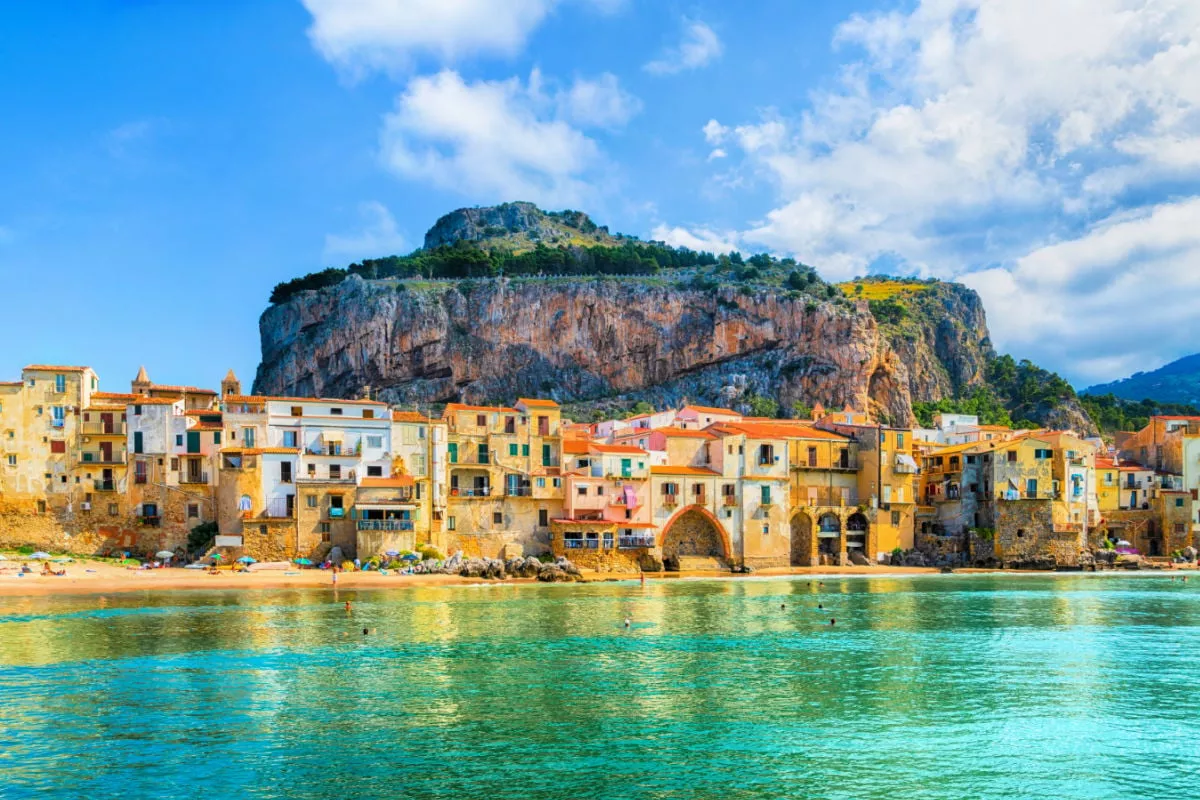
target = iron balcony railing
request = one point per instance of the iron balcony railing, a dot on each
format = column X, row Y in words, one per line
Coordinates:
column 581, row 544
column 103, row 428
column 385, row 524
column 519, row 491
column 486, row 491
column 105, row 486
column 193, row 477
column 150, row 521
column 632, row 542
column 97, row 457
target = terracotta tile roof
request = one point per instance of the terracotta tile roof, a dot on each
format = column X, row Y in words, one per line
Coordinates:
column 617, row 448
column 387, row 483
column 196, row 412
column 155, row 401
column 683, row 433
column 452, row 407
column 163, row 387
column 534, row 402
column 409, row 416
column 262, row 398
column 206, row 426
column 575, row 446
column 777, row 430
column 1103, row 462
column 591, row 522
column 11, row 383
column 711, row 410
column 54, row 368
column 670, row 470
column 113, row 396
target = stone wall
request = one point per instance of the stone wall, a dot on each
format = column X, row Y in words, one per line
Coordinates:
column 1025, row 534
column 693, row 534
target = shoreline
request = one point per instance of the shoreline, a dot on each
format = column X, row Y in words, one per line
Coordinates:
column 89, row 577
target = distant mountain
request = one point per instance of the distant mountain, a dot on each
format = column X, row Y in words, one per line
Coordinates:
column 1177, row 382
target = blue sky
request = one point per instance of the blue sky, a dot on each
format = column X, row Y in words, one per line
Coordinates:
column 165, row 164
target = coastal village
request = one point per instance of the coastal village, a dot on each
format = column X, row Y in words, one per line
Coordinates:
column 202, row 471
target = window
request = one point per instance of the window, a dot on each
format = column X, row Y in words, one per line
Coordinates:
column 483, row 453
column 58, row 446
column 312, row 470
column 972, row 459
column 766, row 529
column 1179, row 502
column 766, row 454
column 374, row 472
column 368, row 413
column 297, row 411
column 1031, row 487
column 599, row 491
column 174, row 463
column 541, row 483
column 547, row 459
column 1179, row 527
column 12, row 460
column 525, row 450
column 450, row 523
column 481, row 420
column 374, row 441
column 1012, row 456
column 113, row 509
column 336, row 510
column 60, row 383
column 310, row 500
column 335, row 472
column 766, row 495
column 59, row 416
column 289, row 438
column 216, row 437
column 557, row 483
column 543, row 518
column 137, row 441
column 670, row 489
column 337, row 412
column 512, row 449
column 248, row 437
column 419, row 464
column 285, row 472
column 41, row 506
column 497, row 518
column 1042, row 455
column 179, row 440
column 895, row 517
column 137, row 410
column 323, row 527
column 899, row 441
column 452, row 448
column 582, row 491
column 193, row 510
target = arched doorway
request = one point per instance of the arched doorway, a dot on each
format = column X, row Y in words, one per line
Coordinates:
column 829, row 535
column 856, row 533
column 803, row 547
column 693, row 533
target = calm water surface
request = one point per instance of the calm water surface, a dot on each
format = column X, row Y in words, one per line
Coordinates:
column 930, row 687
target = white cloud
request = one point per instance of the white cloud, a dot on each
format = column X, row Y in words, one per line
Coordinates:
column 494, row 140
column 696, row 238
column 387, row 34
column 600, row 102
column 699, row 45
column 379, row 236
column 961, row 135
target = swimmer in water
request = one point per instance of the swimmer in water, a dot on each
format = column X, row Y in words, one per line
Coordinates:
column 818, row 605
column 347, row 605
column 364, row 631
column 782, row 606
column 833, row 622
column 627, row 623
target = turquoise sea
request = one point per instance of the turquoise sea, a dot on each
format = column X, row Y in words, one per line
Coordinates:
column 992, row 686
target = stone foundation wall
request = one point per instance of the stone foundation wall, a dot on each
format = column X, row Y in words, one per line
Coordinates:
column 1025, row 533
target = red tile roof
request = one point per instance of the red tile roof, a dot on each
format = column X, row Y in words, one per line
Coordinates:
column 450, row 407
column 710, row 410
column 409, row 416
column 617, row 449
column 670, row 470
column 683, row 433
column 537, row 403
column 387, row 483
column 54, row 368
column 261, row 398
column 163, row 387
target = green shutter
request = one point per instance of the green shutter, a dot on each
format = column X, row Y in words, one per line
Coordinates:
column 545, row 455
column 193, row 441
column 453, row 448
column 512, row 449
column 525, row 450
column 137, row 441
column 766, row 495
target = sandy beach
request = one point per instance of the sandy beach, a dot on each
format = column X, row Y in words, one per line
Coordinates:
column 95, row 577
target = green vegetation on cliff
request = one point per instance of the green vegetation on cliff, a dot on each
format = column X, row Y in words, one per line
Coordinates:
column 1112, row 413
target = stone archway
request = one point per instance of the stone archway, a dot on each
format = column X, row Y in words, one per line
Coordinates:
column 694, row 533
column 804, row 545
column 857, row 529
column 829, row 535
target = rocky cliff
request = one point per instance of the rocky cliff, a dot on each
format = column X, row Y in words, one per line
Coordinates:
column 516, row 226
column 619, row 340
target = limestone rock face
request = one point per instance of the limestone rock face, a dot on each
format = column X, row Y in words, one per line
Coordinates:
column 491, row 341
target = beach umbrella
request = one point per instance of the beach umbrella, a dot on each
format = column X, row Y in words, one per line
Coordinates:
column 1123, row 543
column 392, row 553
column 410, row 557
column 248, row 560
column 165, row 554
column 61, row 560
column 303, row 561
column 40, row 555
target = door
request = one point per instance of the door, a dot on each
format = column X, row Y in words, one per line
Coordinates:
column 546, row 459
column 626, row 467
column 106, row 422
column 107, row 479
column 106, row 452
column 193, row 470
column 514, row 484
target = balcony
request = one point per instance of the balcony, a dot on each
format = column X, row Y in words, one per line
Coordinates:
column 581, row 544
column 193, row 477
column 277, row 509
column 150, row 521
column 634, row 542
column 140, row 480
column 850, row 465
column 700, row 499
column 518, row 491
column 729, row 500
column 823, row 497
column 385, row 525
column 57, row 423
column 670, row 500
column 105, row 486
column 337, row 513
column 485, row 491
column 97, row 457
column 103, row 429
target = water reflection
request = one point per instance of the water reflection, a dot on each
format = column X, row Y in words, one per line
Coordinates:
column 939, row 686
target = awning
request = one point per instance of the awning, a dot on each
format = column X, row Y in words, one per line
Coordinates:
column 854, row 544
column 905, row 460
column 636, row 525
column 378, row 506
column 332, row 436
column 828, row 535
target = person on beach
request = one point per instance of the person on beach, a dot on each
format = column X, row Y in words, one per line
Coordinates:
column 335, row 572
column 347, row 605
